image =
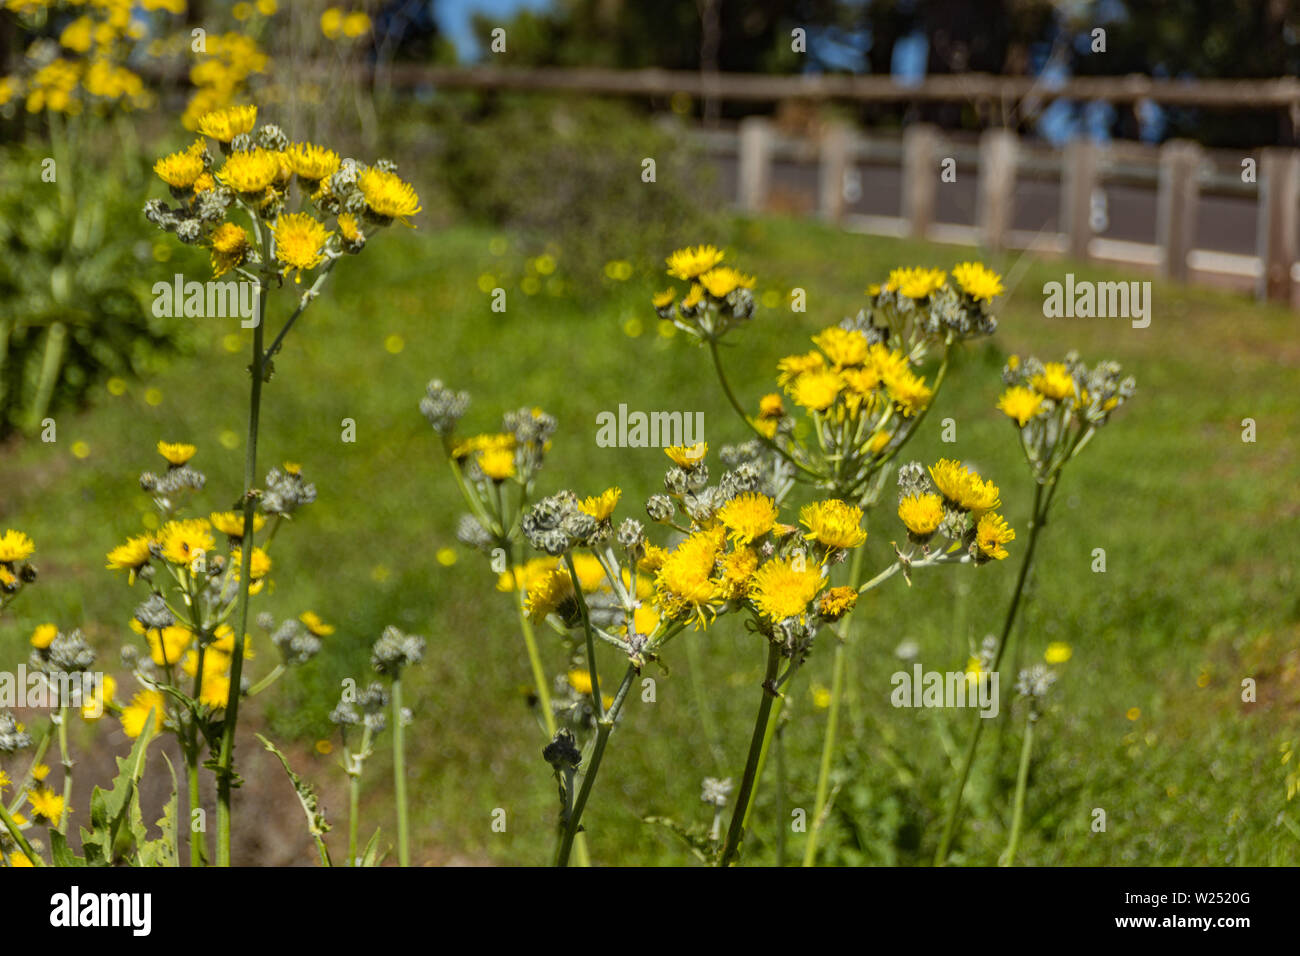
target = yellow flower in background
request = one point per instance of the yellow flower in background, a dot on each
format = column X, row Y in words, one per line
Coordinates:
column 601, row 506
column 230, row 247
column 224, row 642
column 136, row 713
column 691, row 262
column 1054, row 381
column 47, row 806
column 748, row 516
column 922, row 514
column 300, row 242
column 78, row 35
column 131, row 556
column 497, row 463
column 547, row 594
column 771, row 406
column 915, row 282
column 388, row 195
column 833, row 523
column 312, row 621
column 687, row 456
column 182, row 169
column 842, row 347
column 225, row 124
column 792, row 367
column 176, row 453
column 168, row 646
column 781, row 589
column 312, row 162
column 580, row 681
column 356, row 24
column 821, row 696
column 1058, row 652
column 181, row 541
column 964, row 488
column 694, row 297
column 259, row 564
column 1020, row 404
column 231, row 523
column 978, row 281
column 661, row 300
column 214, row 689
column 991, row 533
column 331, row 23
column 92, row 709
column 15, row 546
column 722, row 281
column 44, row 635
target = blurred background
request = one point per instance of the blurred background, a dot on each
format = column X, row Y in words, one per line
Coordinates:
column 823, row 143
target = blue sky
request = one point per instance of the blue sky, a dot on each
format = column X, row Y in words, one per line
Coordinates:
column 454, row 17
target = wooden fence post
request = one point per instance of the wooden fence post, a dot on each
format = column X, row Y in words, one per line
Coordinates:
column 920, row 183
column 1176, row 201
column 995, row 199
column 1275, row 236
column 755, row 175
column 836, row 140
column 1081, row 160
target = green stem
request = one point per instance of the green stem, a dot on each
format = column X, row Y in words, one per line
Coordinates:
column 18, row 836
column 399, row 776
column 356, row 763
column 66, row 756
column 1022, row 778
column 197, row 848
column 758, row 743
column 534, row 657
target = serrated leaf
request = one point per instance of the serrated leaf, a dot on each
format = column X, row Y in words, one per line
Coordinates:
column 164, row 851
column 695, row 837
column 317, row 825
column 60, row 852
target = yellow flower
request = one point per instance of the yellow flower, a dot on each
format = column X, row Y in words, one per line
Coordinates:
column 737, row 568
column 231, row 523
column 878, row 442
column 300, row 242
column 580, row 681
column 662, row 300
column 842, row 347
column 312, row 621
column 77, row 35
column 771, row 406
column 312, row 162
column 1055, row 381
column 176, row 453
column 1058, row 652
column 653, row 559
column 724, row 280
column 44, row 635
column 250, row 172
column 4, row 781
column 356, row 24
column 548, row 594
column 168, row 646
column 915, row 282
column 40, row 771
column 259, row 564
column 817, row 390
column 963, row 487
column 224, row 642
column 388, row 195
column 180, row 541
column 602, row 506
column 1020, row 404
column 135, row 713
column 833, row 523
column 47, row 806
column 694, row 297
column 15, row 546
column 978, row 281
column 908, row 391
column 182, row 169
column 348, row 228
column 497, row 463
column 748, row 516
column 230, row 247
column 92, row 709
column 1133, row 713
column 224, row 125
column 836, row 602
column 687, row 456
column 780, row 589
column 691, row 262
column 685, row 583
column 131, row 556
column 792, row 367
column 922, row 514
column 821, row 696
column 214, row 689
column 991, row 533
column 331, row 23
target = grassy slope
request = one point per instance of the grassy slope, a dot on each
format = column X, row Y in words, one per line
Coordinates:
column 1198, row 530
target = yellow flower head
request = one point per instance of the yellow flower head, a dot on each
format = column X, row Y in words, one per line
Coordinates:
column 312, row 163
column 1058, row 652
column 168, row 646
column 694, row 297
column 991, row 533
column 93, row 709
column 214, row 690
column 817, row 390
column 783, row 588
column 771, row 406
column 176, row 453
column 47, row 806
column 748, row 516
column 724, row 280
column 908, row 391
column 548, row 594
column 300, row 242
column 181, row 170
column 181, row 541
column 230, row 247
column 135, row 713
column 44, row 636
column 131, row 556
column 601, row 506
column 250, row 172
column 388, row 195
column 737, row 569
column 497, row 463
column 922, row 514
column 842, row 347
column 231, row 523
column 915, row 282
column 685, row 583
column 792, row 367
column 1020, row 404
column 836, row 602
column 964, row 488
column 691, row 262
column 1054, row 381
column 661, row 300
column 15, row 546
column 349, row 229
column 312, row 621
column 833, row 523
column 259, row 563
column 687, row 456
column 224, row 125
column 580, row 681
column 977, row 281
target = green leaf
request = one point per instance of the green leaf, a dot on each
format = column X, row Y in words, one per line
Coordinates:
column 60, row 852
column 109, row 809
column 164, row 851
column 372, row 856
column 317, row 825
column 696, row 837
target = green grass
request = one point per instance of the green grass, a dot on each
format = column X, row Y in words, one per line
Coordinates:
column 1199, row 531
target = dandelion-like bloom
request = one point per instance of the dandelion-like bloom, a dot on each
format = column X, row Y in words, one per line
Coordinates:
column 1058, row 652
column 44, row 636
column 735, row 571
column 548, row 594
column 181, row 170
column 691, row 262
column 833, row 523
column 259, row 565
column 661, row 300
column 311, row 162
column 230, row 247
column 842, row 347
column 836, row 602
column 977, row 281
column 782, row 589
column 580, row 681
column 792, row 367
column 748, row 516
column 817, row 390
column 908, row 391
column 685, row 583
column 915, row 282
column 694, row 297
column 167, row 646
column 15, row 546
column 963, row 487
column 771, row 406
column 1054, row 381
column 231, row 523
column 922, row 514
column 131, row 556
column 497, row 463
column 135, row 713
column 250, row 172
column 687, row 456
column 1020, row 404
column 46, row 805
column 300, row 242
column 94, row 707
column 181, row 541
column 724, row 280
column 601, row 506
column 176, row 453
column 313, row 622
column 991, row 533
column 388, row 195
column 224, row 125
